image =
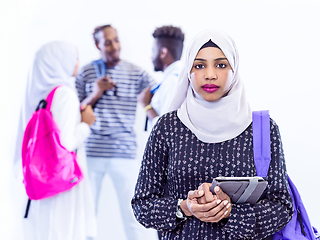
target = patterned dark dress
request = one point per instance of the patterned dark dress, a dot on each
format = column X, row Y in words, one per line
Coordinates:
column 176, row 157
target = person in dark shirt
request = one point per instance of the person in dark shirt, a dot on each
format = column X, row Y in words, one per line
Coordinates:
column 208, row 134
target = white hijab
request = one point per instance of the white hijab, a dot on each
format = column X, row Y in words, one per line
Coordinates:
column 220, row 120
column 53, row 65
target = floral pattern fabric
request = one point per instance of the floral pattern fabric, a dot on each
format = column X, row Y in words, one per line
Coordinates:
column 175, row 157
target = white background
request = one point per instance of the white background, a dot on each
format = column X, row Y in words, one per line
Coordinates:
column 278, row 41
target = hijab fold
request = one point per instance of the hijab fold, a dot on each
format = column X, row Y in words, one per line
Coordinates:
column 220, row 120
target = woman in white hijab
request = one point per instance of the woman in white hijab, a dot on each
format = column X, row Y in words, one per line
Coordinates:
column 208, row 134
column 69, row 215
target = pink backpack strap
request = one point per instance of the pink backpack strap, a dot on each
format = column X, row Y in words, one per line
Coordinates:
column 50, row 97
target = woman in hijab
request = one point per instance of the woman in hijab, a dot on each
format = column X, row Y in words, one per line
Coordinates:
column 68, row 215
column 208, row 134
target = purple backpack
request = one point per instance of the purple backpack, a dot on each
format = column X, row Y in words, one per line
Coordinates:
column 299, row 227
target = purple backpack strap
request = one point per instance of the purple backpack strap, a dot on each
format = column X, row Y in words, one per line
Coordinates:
column 50, row 97
column 261, row 141
column 299, row 226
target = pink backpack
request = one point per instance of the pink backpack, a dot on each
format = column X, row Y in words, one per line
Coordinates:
column 48, row 167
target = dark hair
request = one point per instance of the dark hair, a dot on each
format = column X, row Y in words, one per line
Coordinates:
column 210, row 44
column 172, row 38
column 97, row 30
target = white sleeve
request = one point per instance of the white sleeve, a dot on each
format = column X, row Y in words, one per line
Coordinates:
column 162, row 99
column 154, row 120
column 65, row 109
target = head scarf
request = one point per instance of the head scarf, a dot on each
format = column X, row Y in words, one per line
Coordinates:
column 53, row 65
column 220, row 120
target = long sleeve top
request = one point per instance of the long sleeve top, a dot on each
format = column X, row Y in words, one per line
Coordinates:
column 162, row 97
column 176, row 157
column 65, row 109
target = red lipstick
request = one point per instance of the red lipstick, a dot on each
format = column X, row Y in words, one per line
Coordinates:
column 210, row 88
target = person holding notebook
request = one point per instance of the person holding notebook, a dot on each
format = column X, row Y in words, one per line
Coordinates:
column 207, row 134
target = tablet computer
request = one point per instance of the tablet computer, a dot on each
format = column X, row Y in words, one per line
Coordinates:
column 241, row 189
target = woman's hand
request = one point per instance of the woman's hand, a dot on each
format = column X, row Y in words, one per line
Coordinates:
column 206, row 206
column 87, row 115
column 225, row 201
column 208, row 196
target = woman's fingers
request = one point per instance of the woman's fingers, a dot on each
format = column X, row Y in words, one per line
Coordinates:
column 219, row 212
column 209, row 209
column 195, row 194
column 198, row 209
column 221, row 194
column 192, row 200
column 208, row 195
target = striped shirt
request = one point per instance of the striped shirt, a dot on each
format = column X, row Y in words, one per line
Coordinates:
column 112, row 135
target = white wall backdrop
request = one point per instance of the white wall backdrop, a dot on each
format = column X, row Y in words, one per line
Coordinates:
column 279, row 49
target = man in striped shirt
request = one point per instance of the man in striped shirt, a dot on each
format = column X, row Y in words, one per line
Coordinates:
column 111, row 85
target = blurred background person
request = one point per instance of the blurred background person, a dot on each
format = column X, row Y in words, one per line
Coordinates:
column 68, row 215
column 166, row 54
column 111, row 85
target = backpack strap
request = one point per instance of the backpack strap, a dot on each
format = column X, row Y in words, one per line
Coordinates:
column 27, row 208
column 261, row 141
column 99, row 67
column 50, row 97
column 262, row 158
